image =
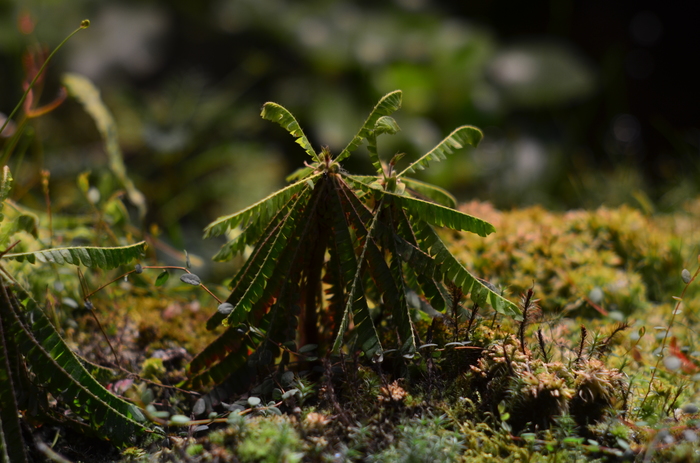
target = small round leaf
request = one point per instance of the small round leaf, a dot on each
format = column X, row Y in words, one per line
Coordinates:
column 225, row 308
column 685, row 275
column 179, row 420
column 253, row 401
column 190, row 279
column 199, row 407
column 307, row 348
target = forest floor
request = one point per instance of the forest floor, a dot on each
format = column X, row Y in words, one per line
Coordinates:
column 605, row 366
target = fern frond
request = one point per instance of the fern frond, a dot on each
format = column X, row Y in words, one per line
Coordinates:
column 419, row 262
column 105, row 258
column 355, row 302
column 384, row 124
column 218, row 360
column 442, row 216
column 62, row 374
column 452, row 270
column 300, row 174
column 394, row 294
column 465, row 135
column 260, row 212
column 281, row 115
column 252, row 278
column 431, row 192
column 389, row 279
column 335, row 280
column 387, row 105
column 12, row 446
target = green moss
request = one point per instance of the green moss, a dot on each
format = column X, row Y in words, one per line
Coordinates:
column 153, row 369
column 272, row 440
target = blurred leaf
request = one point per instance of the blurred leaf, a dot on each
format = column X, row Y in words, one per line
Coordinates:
column 190, row 279
column 162, row 278
column 88, row 95
column 541, row 74
column 90, row 256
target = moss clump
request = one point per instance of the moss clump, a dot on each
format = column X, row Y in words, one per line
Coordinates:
column 153, row 369
column 273, row 440
column 580, row 261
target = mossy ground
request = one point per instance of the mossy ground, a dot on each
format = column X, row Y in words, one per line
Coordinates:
column 572, row 384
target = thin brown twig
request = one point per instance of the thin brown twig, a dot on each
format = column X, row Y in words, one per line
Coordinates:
column 161, row 267
column 668, row 329
column 9, row 248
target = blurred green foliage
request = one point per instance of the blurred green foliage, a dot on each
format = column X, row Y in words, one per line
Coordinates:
column 185, row 84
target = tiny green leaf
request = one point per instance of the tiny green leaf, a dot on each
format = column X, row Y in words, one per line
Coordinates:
column 386, row 124
column 162, row 278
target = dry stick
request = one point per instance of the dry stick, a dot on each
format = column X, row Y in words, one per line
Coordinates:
column 603, row 348
column 526, row 302
column 91, row 309
column 9, row 248
column 584, row 333
column 668, row 329
column 156, row 383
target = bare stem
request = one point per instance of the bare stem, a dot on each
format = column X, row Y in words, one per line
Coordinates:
column 83, row 25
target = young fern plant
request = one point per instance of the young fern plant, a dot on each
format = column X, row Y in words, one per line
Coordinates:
column 336, row 255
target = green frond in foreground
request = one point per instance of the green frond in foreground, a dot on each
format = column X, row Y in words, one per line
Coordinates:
column 11, row 441
column 430, row 192
column 278, row 113
column 249, row 288
column 453, row 271
column 355, row 302
column 225, row 355
column 387, row 105
column 260, row 212
column 105, row 258
column 442, row 216
column 62, row 374
column 459, row 138
column 384, row 124
column 333, row 251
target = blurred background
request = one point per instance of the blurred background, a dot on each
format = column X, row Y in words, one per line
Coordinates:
column 582, row 103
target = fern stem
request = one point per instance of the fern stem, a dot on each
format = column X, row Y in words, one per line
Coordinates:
column 83, row 25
